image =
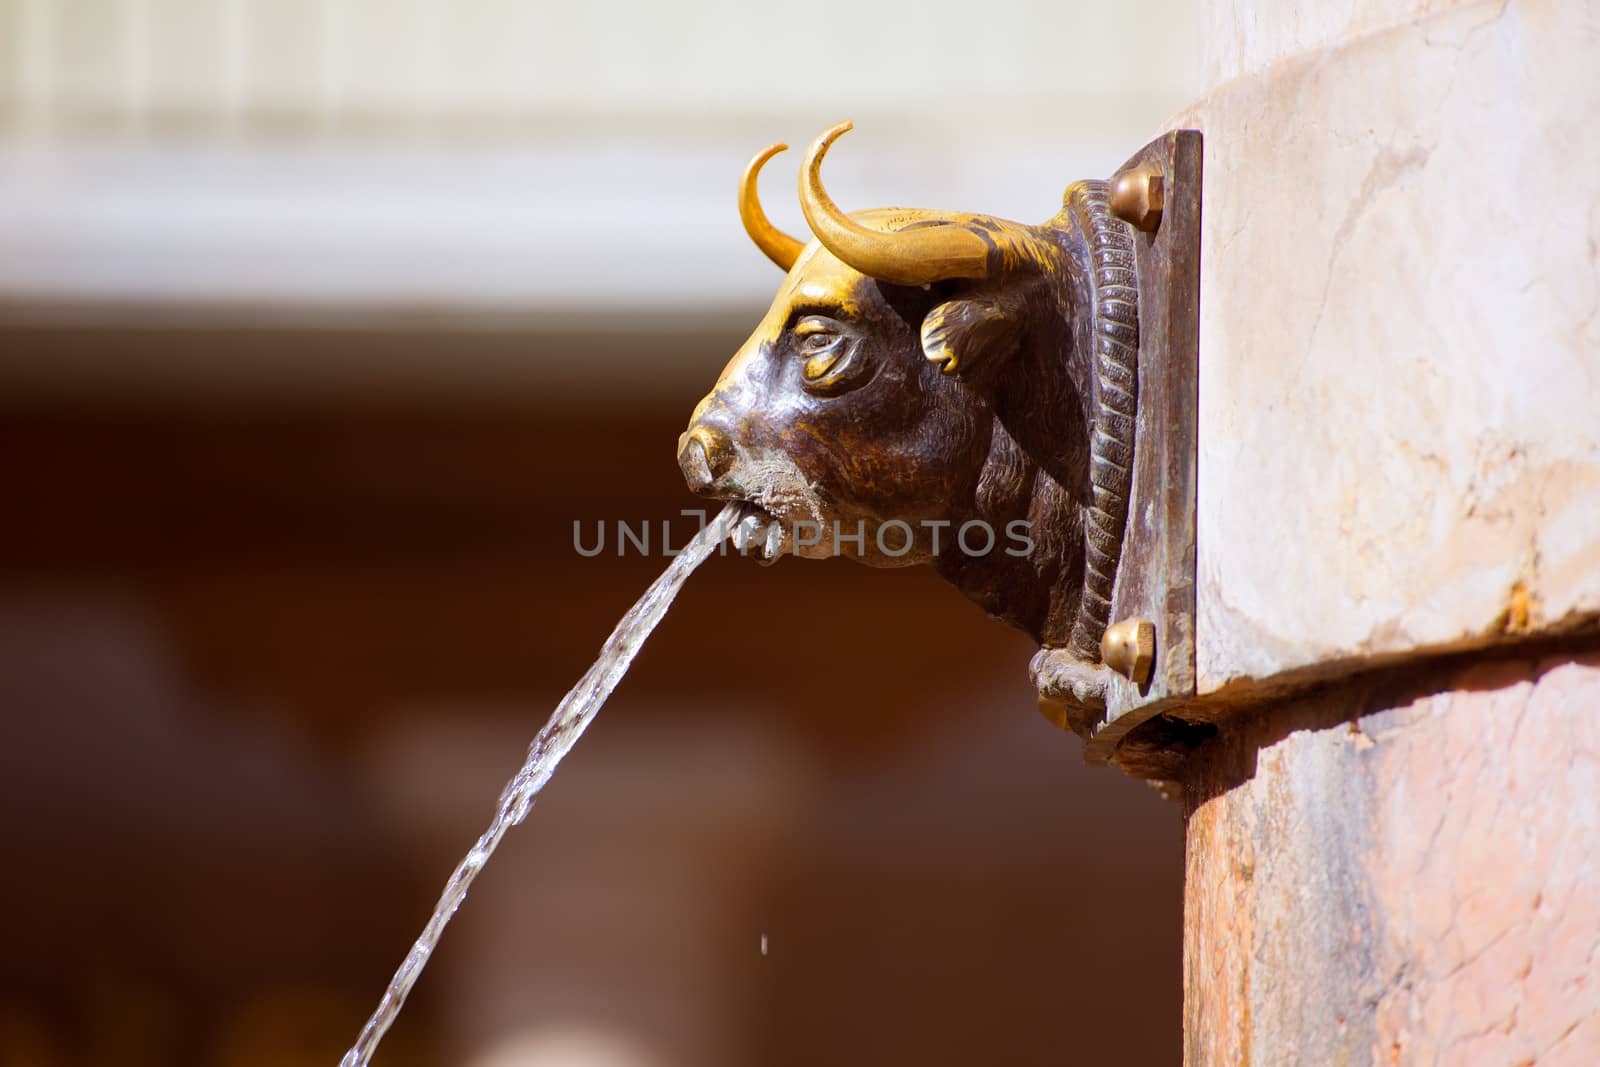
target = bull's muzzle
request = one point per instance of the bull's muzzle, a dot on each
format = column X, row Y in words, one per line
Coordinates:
column 705, row 454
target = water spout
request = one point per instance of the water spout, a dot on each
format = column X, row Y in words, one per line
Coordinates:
column 576, row 710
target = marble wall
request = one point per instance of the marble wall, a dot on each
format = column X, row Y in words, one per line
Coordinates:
column 1400, row 331
column 1401, row 871
column 1399, row 457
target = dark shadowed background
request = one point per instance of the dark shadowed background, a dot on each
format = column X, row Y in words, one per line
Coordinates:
column 311, row 356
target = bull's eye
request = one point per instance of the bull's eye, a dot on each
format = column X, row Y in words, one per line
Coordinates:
column 827, row 347
column 824, row 350
column 818, row 366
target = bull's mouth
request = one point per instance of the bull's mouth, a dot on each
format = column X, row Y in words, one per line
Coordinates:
column 775, row 500
column 758, row 532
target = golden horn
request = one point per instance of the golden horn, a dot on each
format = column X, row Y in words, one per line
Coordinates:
column 779, row 246
column 916, row 257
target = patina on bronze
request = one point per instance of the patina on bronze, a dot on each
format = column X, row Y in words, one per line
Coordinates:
column 932, row 371
column 1143, row 729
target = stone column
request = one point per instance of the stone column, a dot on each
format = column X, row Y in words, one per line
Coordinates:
column 1405, row 869
column 1394, row 837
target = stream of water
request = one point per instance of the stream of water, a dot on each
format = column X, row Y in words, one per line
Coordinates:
column 576, row 710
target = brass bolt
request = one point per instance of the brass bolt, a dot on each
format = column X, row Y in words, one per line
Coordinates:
column 1129, row 648
column 1137, row 197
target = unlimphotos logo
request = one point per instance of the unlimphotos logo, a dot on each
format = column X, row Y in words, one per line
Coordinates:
column 894, row 538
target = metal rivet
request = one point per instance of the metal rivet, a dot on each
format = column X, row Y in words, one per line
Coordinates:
column 1129, row 648
column 1137, row 197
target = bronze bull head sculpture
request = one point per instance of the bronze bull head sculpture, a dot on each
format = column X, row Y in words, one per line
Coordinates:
column 941, row 388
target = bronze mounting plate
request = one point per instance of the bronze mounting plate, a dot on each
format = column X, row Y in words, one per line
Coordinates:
column 1156, row 576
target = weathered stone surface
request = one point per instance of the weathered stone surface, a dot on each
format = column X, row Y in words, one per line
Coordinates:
column 1400, row 331
column 1243, row 38
column 1377, row 877
column 1399, row 456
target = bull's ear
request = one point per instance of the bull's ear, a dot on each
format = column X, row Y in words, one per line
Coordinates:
column 972, row 330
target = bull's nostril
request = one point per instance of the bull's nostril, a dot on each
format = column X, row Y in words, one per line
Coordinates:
column 695, row 462
column 715, row 453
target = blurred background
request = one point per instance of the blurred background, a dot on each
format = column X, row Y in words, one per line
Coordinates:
column 321, row 323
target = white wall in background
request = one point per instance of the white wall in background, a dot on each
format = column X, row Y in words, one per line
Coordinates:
column 409, row 64
column 495, row 157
